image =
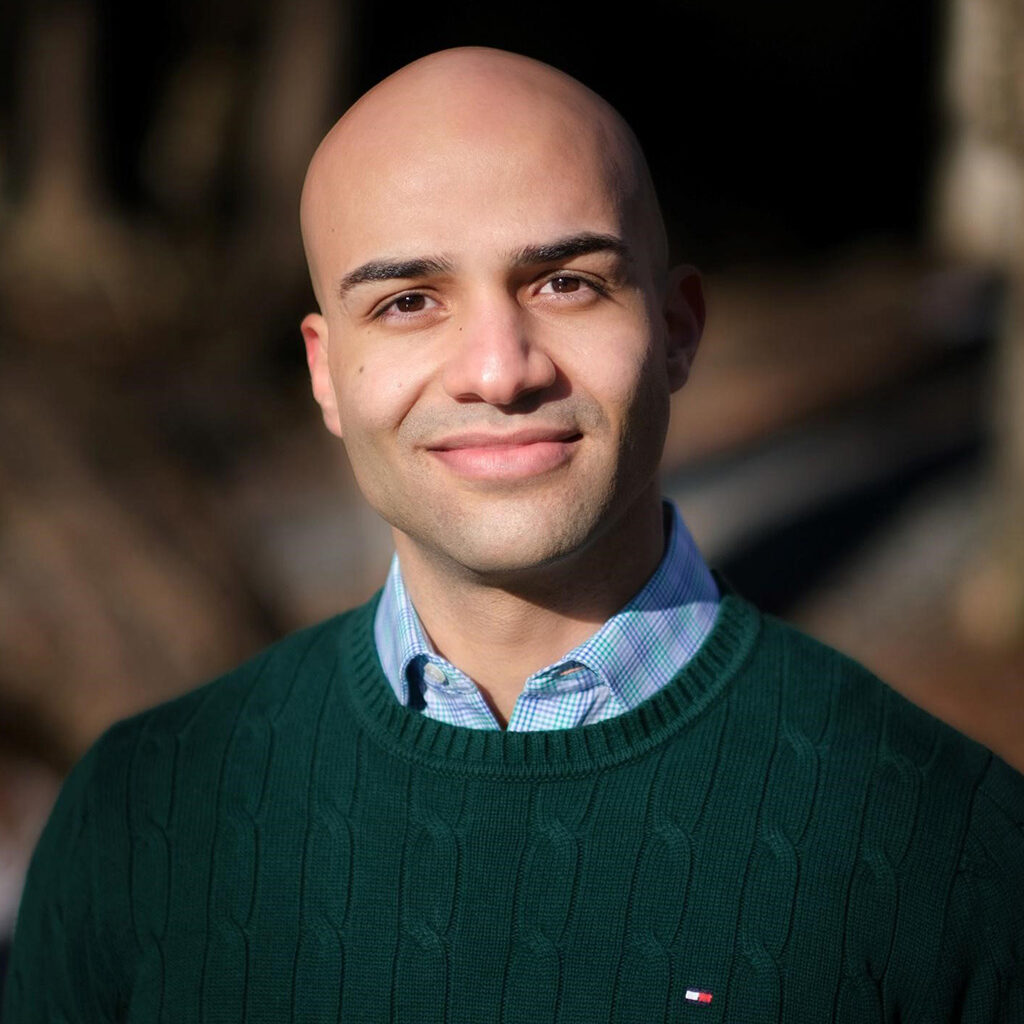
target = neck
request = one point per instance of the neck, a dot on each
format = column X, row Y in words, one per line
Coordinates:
column 500, row 631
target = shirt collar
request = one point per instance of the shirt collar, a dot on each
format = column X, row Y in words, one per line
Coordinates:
column 636, row 652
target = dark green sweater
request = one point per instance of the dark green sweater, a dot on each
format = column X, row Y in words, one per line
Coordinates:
column 776, row 828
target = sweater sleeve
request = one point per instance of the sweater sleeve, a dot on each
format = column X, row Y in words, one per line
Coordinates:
column 57, row 970
column 981, row 970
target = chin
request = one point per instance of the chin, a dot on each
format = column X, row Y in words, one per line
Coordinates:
column 509, row 543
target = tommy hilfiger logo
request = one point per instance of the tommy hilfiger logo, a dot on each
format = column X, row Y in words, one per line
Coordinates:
column 695, row 995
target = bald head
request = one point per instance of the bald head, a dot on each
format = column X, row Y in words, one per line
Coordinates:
column 475, row 108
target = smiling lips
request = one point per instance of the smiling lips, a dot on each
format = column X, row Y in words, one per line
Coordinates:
column 513, row 456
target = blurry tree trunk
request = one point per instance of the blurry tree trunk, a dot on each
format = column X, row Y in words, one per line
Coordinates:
column 980, row 217
column 61, row 240
column 306, row 61
column 137, row 361
column 57, row 114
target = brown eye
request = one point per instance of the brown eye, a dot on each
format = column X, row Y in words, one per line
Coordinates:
column 565, row 284
column 410, row 303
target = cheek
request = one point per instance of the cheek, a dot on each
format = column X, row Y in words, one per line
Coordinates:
column 639, row 397
column 616, row 358
column 626, row 379
column 375, row 394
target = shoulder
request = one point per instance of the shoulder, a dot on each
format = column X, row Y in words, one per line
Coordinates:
column 921, row 778
column 141, row 807
column 167, row 760
column 862, row 707
column 258, row 689
column 937, row 822
column 178, row 752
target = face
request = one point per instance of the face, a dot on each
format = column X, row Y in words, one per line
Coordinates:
column 494, row 347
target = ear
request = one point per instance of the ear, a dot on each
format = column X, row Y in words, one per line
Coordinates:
column 314, row 333
column 684, row 317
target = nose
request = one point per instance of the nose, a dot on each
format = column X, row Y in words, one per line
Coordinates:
column 494, row 358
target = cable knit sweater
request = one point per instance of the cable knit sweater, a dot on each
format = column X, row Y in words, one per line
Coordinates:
column 775, row 836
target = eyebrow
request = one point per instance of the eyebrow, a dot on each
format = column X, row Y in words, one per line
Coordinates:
column 547, row 252
column 567, row 248
column 393, row 270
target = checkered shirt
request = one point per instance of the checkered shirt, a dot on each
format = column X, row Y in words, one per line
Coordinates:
column 632, row 656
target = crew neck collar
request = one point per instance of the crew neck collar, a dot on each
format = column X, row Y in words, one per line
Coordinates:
column 457, row 750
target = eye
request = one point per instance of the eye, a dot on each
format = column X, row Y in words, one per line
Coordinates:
column 410, row 303
column 563, row 284
column 571, row 285
column 406, row 305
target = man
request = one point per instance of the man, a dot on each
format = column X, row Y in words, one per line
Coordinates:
column 425, row 809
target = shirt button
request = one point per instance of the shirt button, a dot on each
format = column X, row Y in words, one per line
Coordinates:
column 434, row 674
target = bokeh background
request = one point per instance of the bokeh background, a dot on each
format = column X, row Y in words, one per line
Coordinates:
column 849, row 450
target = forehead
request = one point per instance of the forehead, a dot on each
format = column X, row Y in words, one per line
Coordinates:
column 467, row 182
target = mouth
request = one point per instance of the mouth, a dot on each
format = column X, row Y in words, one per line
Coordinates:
column 516, row 455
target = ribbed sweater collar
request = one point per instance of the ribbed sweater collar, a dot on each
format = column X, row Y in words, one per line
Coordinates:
column 565, row 753
column 455, row 750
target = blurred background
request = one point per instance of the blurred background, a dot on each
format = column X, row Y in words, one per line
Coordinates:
column 849, row 450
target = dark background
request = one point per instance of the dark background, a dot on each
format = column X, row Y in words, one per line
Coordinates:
column 774, row 130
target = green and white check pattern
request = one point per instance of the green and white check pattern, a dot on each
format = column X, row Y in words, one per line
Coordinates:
column 632, row 656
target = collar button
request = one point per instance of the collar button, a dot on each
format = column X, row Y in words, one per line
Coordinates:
column 434, row 674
